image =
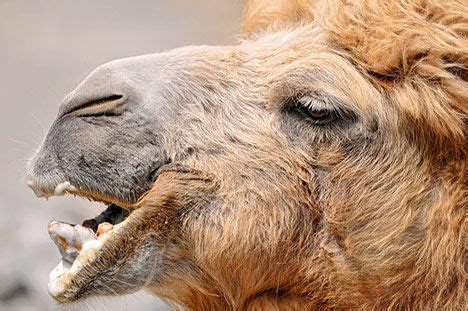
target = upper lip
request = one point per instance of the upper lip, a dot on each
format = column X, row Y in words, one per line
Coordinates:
column 49, row 187
column 66, row 187
column 59, row 189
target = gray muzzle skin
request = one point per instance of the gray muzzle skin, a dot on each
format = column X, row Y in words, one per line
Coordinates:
column 108, row 136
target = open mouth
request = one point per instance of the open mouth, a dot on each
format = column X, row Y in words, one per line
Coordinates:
column 79, row 244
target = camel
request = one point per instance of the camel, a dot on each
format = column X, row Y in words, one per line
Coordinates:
column 319, row 164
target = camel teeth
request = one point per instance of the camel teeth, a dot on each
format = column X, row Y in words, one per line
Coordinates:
column 62, row 187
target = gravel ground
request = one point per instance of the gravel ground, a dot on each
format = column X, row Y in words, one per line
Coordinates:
column 47, row 48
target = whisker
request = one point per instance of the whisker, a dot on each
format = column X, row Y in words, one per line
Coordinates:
column 38, row 122
column 18, row 142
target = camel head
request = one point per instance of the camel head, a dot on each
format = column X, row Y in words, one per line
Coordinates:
column 319, row 163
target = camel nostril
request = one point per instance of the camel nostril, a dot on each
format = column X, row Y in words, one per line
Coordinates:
column 106, row 105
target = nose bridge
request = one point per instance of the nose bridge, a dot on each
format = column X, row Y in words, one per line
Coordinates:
column 107, row 81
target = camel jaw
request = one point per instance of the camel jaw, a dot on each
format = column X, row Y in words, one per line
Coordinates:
column 80, row 245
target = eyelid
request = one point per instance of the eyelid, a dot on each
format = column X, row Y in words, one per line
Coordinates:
column 320, row 102
column 325, row 102
column 305, row 104
column 311, row 102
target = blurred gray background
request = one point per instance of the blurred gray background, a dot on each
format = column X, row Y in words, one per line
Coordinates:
column 46, row 49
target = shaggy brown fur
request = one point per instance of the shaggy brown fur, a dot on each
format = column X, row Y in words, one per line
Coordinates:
column 271, row 212
column 391, row 220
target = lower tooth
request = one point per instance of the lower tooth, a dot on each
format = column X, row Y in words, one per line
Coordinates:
column 103, row 228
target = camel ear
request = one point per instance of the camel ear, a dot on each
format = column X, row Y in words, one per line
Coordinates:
column 260, row 15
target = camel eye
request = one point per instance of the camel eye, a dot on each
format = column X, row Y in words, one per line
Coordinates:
column 315, row 110
column 319, row 114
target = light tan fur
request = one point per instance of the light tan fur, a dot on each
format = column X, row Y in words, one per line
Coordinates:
column 270, row 213
column 397, row 242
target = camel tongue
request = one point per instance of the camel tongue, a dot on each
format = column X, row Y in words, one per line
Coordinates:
column 114, row 214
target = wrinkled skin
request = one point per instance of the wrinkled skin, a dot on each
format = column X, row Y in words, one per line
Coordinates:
column 242, row 199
